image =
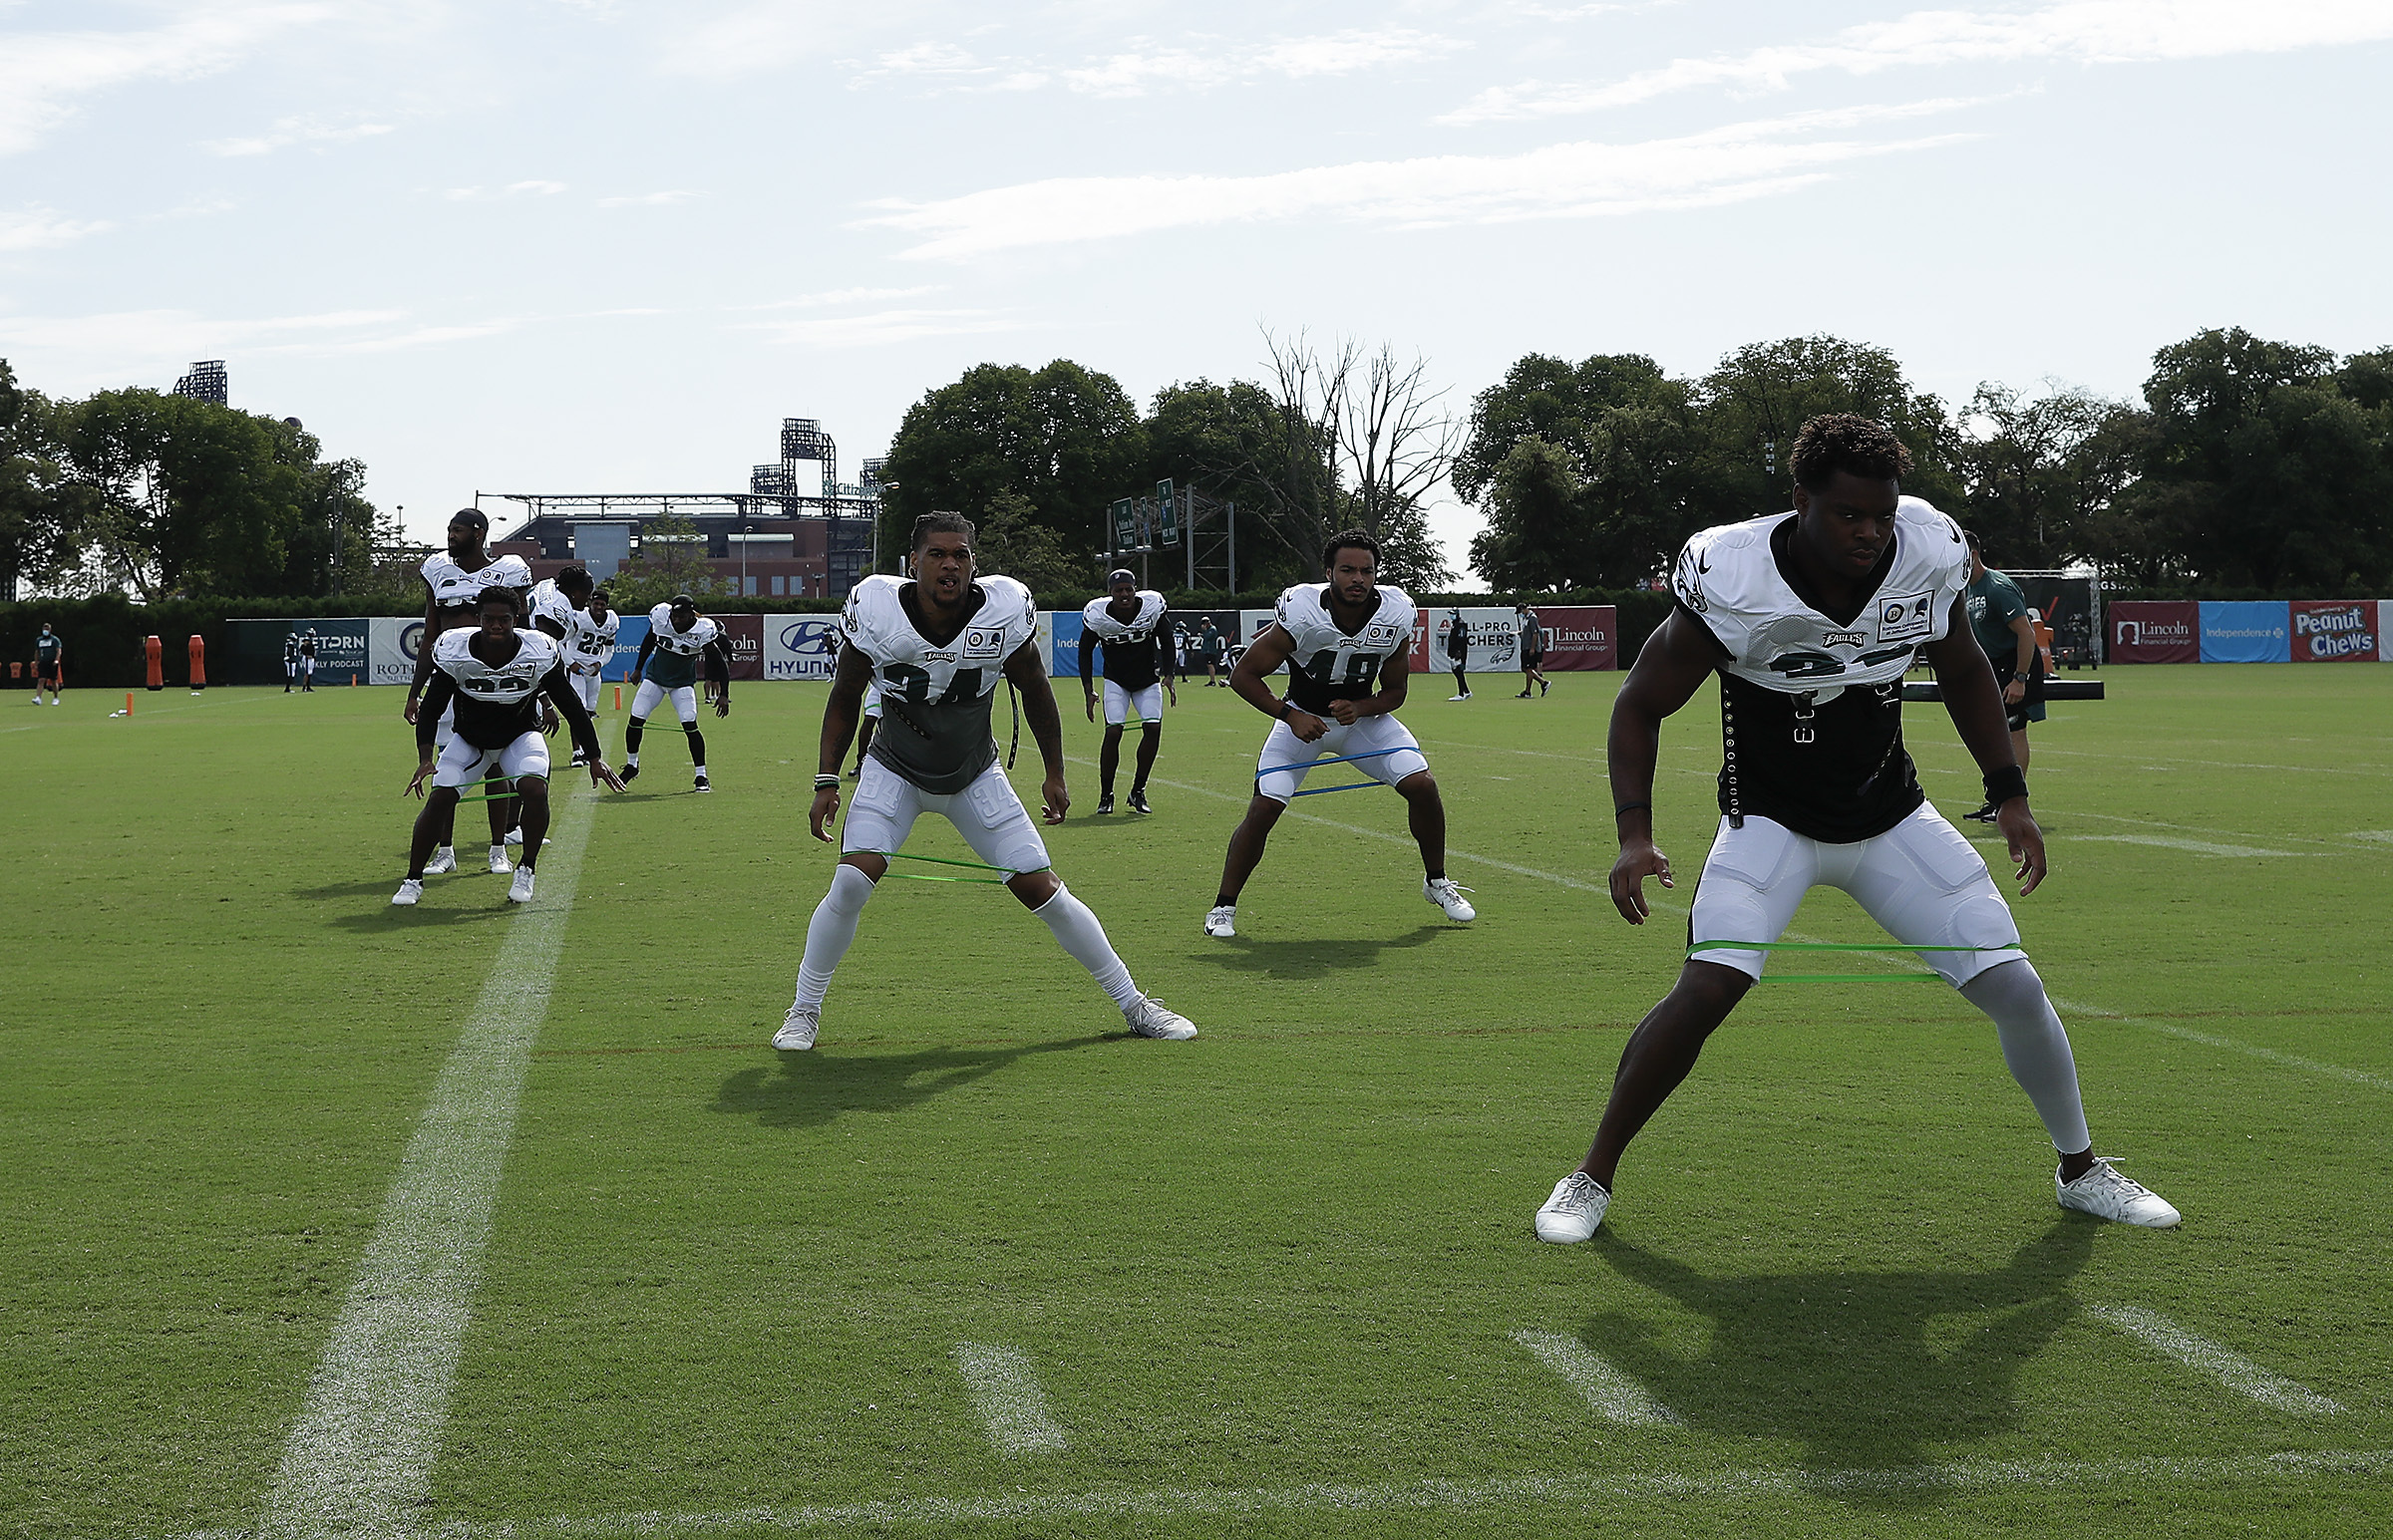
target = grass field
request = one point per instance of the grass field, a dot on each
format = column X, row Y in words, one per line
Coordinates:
column 982, row 1265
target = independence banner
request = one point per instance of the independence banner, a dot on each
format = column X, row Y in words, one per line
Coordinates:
column 2245, row 631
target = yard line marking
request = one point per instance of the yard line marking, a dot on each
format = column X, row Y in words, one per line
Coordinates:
column 1433, row 1495
column 1612, row 1394
column 1005, row 1388
column 2213, row 1039
column 2163, row 759
column 1660, row 903
column 2229, row 1368
column 2196, row 828
column 2195, row 846
column 359, row 1461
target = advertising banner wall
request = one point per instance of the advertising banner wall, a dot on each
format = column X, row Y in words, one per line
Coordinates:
column 1062, row 628
column 1493, row 635
column 392, row 646
column 2384, row 613
column 2335, row 631
column 2153, row 631
column 2245, row 631
column 801, row 646
column 343, row 650
column 744, row 642
column 1581, row 637
column 630, row 632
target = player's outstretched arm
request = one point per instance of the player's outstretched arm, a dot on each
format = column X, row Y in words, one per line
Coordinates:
column 557, row 692
column 849, row 676
column 1027, row 671
column 1088, row 671
column 718, row 669
column 423, row 675
column 639, row 665
column 1670, row 668
column 1966, row 681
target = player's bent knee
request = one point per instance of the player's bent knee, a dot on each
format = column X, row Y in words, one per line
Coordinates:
column 1420, row 783
column 1712, row 984
column 871, row 863
column 1033, row 889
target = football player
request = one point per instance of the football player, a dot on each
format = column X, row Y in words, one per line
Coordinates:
column 490, row 676
column 1810, row 619
column 453, row 583
column 573, row 611
column 1336, row 638
column 1127, row 626
column 937, row 644
column 678, row 639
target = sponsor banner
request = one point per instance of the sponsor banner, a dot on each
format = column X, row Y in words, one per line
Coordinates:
column 393, row 644
column 2334, row 631
column 801, row 646
column 2245, row 631
column 2153, row 631
column 1062, row 629
column 1581, row 637
column 1493, row 635
column 2384, row 613
column 744, row 642
column 630, row 634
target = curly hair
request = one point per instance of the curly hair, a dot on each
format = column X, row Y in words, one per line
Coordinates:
column 942, row 523
column 1847, row 441
column 1360, row 540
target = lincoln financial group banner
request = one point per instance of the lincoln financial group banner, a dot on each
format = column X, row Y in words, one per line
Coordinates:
column 2153, row 631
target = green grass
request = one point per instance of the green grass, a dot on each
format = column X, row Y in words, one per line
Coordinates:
column 1288, row 1256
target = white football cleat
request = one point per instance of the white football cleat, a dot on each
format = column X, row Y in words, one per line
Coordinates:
column 2106, row 1194
column 520, row 890
column 514, row 836
column 1574, row 1212
column 1151, row 1017
column 500, row 864
column 1218, row 921
column 798, row 1029
column 444, row 859
column 1442, row 892
column 409, row 891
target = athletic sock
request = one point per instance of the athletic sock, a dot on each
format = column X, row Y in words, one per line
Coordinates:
column 2036, row 1046
column 697, row 746
column 1083, row 935
column 829, row 933
column 701, row 771
column 631, row 756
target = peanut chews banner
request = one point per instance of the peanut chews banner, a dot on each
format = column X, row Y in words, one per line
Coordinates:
column 2246, row 631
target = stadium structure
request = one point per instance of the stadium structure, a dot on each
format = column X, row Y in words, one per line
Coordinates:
column 775, row 540
column 208, row 380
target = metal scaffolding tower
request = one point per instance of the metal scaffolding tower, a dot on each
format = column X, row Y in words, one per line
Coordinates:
column 207, row 382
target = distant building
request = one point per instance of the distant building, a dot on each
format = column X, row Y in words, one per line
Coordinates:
column 207, row 382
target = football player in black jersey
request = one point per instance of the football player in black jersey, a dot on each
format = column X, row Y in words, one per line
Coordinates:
column 1810, row 620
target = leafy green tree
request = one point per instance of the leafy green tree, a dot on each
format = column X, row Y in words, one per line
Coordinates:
column 671, row 560
column 1064, row 439
column 1537, row 530
column 1217, row 439
column 2044, row 479
column 1010, row 540
column 41, row 512
column 1752, row 404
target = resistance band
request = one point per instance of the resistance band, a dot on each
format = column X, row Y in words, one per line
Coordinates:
column 1344, row 758
column 1838, row 946
column 490, row 796
column 940, row 860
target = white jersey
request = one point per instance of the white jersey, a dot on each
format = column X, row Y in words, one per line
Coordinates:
column 936, row 701
column 452, row 587
column 1811, row 704
column 493, row 701
column 1330, row 665
column 1731, row 576
column 588, row 643
column 1098, row 618
column 688, row 644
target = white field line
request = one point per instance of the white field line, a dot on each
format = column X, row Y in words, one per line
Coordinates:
column 2169, row 1028
column 2164, row 759
column 1613, row 1394
column 360, row 1459
column 2140, row 1476
column 2229, row 1368
column 2194, row 846
column 1005, row 1388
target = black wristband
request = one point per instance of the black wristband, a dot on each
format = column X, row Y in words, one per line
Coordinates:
column 1286, row 707
column 2005, row 783
column 1627, row 807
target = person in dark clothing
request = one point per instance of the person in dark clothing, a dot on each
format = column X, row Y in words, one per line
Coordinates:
column 1128, row 627
column 1457, row 654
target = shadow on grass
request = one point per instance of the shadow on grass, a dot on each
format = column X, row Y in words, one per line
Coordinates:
column 808, row 1090
column 1868, row 1370
column 386, row 916
column 1313, row 958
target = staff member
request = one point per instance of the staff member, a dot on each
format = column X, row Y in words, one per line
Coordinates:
column 2005, row 628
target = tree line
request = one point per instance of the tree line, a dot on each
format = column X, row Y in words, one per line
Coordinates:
column 162, row 495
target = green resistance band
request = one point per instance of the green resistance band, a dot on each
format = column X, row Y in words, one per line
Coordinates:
column 940, row 860
column 1839, row 946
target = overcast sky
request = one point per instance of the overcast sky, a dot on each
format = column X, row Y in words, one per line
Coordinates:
column 548, row 245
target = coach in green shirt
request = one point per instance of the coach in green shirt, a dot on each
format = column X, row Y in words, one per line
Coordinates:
column 2000, row 615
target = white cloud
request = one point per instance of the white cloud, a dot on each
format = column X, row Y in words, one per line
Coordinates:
column 44, row 74
column 287, row 132
column 36, row 226
column 1144, row 66
column 1719, row 165
column 774, row 34
column 647, row 200
column 887, row 326
column 2085, row 31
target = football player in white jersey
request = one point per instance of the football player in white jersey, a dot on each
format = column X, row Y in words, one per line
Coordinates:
column 570, row 610
column 452, row 581
column 1810, row 619
column 938, row 644
column 1128, row 627
column 1336, row 638
column 491, row 674
column 678, row 640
